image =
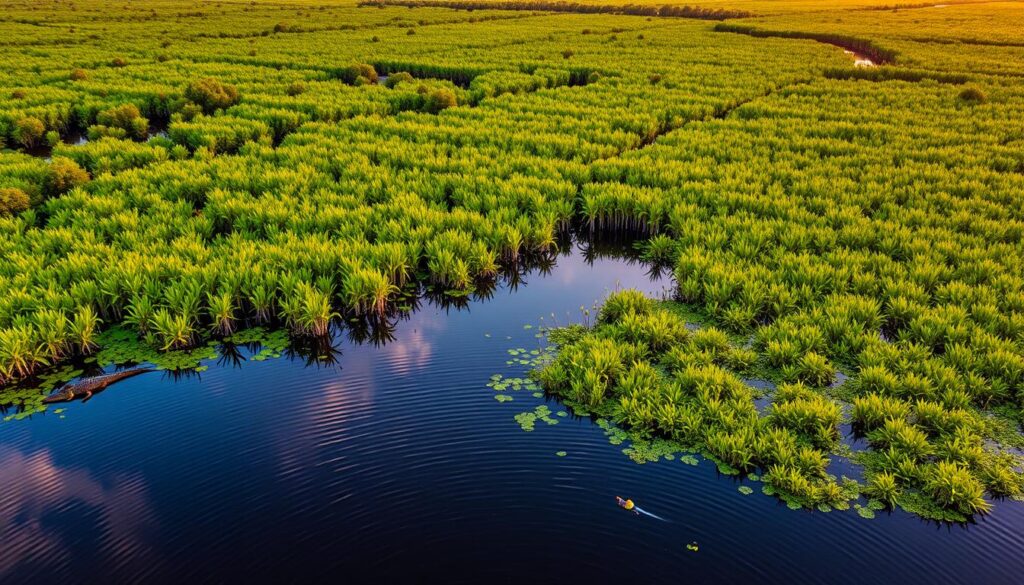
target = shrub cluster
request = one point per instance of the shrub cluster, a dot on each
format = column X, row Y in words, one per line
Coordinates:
column 211, row 94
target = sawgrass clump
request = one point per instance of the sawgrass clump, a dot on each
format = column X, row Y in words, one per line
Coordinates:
column 642, row 367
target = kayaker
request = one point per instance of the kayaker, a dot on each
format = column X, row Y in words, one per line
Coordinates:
column 627, row 505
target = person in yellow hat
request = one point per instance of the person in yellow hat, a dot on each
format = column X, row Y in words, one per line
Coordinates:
column 627, row 504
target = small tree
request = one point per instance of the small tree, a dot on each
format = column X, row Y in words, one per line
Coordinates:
column 13, row 201
column 439, row 99
column 973, row 94
column 126, row 117
column 395, row 79
column 28, row 131
column 352, row 74
column 211, row 94
column 78, row 75
column 65, row 175
column 118, row 62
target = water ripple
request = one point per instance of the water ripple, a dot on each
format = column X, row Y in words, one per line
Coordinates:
column 399, row 466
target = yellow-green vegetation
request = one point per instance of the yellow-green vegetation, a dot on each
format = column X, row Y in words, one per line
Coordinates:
column 292, row 184
column 645, row 367
column 287, row 163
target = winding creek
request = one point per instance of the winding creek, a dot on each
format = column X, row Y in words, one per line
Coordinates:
column 396, row 464
column 860, row 60
column 78, row 137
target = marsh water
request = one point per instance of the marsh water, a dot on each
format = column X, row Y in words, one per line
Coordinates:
column 860, row 60
column 78, row 137
column 395, row 464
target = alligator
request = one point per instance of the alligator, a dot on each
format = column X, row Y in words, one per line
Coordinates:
column 84, row 389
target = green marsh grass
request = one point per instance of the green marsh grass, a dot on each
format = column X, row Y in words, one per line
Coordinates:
column 823, row 222
column 644, row 369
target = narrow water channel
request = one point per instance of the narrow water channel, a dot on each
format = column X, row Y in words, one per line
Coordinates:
column 860, row 60
column 397, row 465
column 77, row 137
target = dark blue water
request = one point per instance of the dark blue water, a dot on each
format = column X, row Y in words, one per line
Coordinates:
column 396, row 465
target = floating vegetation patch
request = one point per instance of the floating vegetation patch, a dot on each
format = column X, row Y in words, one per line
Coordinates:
column 650, row 451
column 270, row 342
column 864, row 511
column 528, row 420
column 499, row 383
column 560, row 453
column 745, row 490
column 122, row 346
